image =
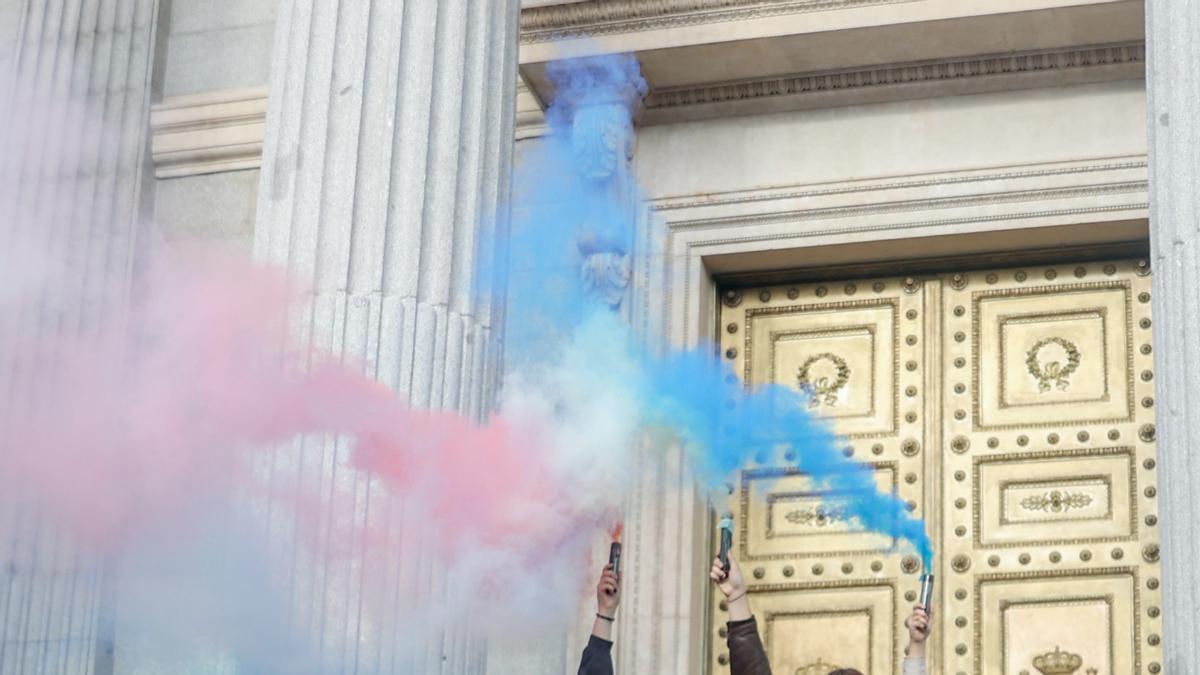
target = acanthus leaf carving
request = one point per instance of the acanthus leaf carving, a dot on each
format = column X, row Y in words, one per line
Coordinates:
column 818, row 516
column 1056, row 501
column 606, row 274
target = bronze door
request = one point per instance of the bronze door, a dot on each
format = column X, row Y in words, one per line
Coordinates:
column 1013, row 410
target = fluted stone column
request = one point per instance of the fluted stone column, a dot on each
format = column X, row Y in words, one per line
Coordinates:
column 1173, row 117
column 74, row 123
column 388, row 142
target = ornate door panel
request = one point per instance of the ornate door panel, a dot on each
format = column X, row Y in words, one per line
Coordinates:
column 1049, row 541
column 827, row 594
column 1013, row 410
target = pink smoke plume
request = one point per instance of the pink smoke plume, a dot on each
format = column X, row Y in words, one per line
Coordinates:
column 127, row 425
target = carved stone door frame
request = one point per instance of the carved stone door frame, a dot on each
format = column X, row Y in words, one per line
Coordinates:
column 1026, row 469
column 692, row 239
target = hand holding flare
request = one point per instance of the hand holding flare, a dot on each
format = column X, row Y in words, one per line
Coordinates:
column 918, row 622
column 614, row 551
column 608, row 590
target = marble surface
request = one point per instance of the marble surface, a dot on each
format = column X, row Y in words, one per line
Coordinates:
column 1173, row 125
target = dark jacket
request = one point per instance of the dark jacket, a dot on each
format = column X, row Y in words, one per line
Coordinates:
column 597, row 657
column 746, row 653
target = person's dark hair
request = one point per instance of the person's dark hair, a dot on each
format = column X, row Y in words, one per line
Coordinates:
column 845, row 671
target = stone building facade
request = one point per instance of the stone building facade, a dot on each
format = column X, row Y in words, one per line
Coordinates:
column 972, row 203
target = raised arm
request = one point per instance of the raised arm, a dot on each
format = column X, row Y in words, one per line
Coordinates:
column 746, row 653
column 918, row 632
column 597, row 656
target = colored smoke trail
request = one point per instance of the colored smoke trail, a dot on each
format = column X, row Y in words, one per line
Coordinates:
column 137, row 438
column 574, row 252
column 124, row 435
column 131, row 427
column 147, row 433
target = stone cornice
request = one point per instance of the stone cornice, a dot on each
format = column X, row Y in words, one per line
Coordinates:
column 606, row 17
column 925, row 73
column 209, row 133
column 223, row 131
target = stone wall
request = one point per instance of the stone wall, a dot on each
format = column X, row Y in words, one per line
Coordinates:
column 212, row 47
column 893, row 139
column 218, row 45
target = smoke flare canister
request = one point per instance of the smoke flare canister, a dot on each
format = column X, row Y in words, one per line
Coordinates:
column 726, row 542
column 927, row 593
column 614, row 557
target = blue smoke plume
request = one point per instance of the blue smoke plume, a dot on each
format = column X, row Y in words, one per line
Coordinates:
column 572, row 254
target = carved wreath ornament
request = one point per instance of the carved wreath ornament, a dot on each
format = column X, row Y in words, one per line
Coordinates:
column 1052, row 374
column 824, row 389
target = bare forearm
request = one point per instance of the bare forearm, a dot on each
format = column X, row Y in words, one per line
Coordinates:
column 602, row 628
column 739, row 609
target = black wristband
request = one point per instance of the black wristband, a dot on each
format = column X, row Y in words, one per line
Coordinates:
column 606, row 618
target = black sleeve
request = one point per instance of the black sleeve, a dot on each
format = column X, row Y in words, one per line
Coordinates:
column 597, row 657
column 746, row 653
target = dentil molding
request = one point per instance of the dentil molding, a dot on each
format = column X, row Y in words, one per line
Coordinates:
column 898, row 81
